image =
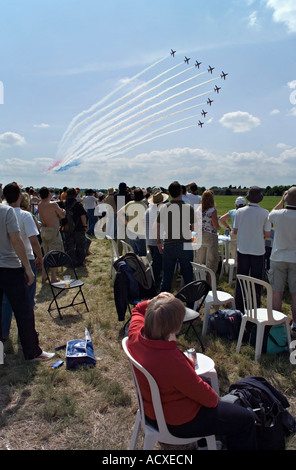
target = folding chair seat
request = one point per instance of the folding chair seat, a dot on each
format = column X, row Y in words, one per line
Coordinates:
column 60, row 259
column 193, row 295
column 152, row 435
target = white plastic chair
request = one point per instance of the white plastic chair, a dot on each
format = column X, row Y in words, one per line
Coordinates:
column 215, row 297
column 126, row 247
column 114, row 255
column 152, row 435
column 260, row 316
column 228, row 263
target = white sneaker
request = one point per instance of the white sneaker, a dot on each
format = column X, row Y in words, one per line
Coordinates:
column 44, row 356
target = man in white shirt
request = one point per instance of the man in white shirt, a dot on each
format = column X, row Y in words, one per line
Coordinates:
column 193, row 197
column 252, row 227
column 29, row 234
column 283, row 254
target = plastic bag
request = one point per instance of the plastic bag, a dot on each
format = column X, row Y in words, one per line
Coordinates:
column 80, row 352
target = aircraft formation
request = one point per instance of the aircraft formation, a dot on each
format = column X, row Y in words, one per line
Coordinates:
column 210, row 70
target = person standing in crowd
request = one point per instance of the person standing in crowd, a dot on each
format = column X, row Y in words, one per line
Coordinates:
column 132, row 218
column 89, row 202
column 178, row 220
column 251, row 226
column 193, row 197
column 283, row 253
column 29, row 234
column 155, row 201
column 50, row 214
column 75, row 241
column 191, row 406
column 208, row 253
column 230, row 216
column 15, row 275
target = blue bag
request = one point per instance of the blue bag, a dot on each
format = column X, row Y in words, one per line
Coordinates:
column 80, row 352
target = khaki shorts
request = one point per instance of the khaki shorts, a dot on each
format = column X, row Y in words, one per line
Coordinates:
column 279, row 273
column 51, row 239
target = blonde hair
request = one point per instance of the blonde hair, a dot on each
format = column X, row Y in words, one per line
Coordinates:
column 164, row 315
column 207, row 200
column 25, row 202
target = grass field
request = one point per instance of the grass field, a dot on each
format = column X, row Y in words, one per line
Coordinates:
column 94, row 409
column 225, row 203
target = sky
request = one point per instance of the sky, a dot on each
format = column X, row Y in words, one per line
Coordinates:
column 90, row 94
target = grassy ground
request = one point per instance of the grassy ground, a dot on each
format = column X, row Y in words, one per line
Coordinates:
column 93, row 409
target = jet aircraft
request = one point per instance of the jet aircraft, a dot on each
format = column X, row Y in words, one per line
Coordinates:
column 197, row 64
column 173, row 52
column 204, row 113
column 200, row 123
column 186, row 60
column 217, row 88
column 210, row 101
column 210, row 69
column 223, row 75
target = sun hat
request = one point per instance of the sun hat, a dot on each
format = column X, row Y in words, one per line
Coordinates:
column 111, row 191
column 240, row 201
column 290, row 196
column 157, row 197
column 254, row 194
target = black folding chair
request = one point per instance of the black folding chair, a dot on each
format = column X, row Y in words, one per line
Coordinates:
column 58, row 259
column 193, row 296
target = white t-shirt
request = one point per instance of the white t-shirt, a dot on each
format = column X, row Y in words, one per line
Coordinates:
column 27, row 229
column 251, row 222
column 284, row 242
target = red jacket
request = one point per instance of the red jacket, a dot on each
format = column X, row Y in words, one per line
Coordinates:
column 182, row 391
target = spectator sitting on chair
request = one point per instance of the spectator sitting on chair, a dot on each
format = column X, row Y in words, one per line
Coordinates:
column 191, row 407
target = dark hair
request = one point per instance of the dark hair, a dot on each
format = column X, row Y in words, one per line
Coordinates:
column 44, row 192
column 175, row 189
column 138, row 193
column 193, row 188
column 11, row 192
column 71, row 193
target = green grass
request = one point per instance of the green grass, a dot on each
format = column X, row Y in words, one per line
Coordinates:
column 225, row 203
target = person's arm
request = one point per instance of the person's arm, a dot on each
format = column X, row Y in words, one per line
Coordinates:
column 280, row 204
column 37, row 250
column 223, row 220
column 61, row 213
column 84, row 221
column 215, row 220
column 19, row 248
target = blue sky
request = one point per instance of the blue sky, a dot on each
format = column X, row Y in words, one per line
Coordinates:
column 92, row 85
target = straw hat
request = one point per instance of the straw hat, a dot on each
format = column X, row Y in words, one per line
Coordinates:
column 157, row 198
column 111, row 191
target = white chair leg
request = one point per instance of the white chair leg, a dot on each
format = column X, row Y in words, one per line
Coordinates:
column 259, row 341
column 211, row 442
column 136, row 431
column 241, row 334
column 205, row 320
column 1, row 353
column 149, row 442
column 288, row 332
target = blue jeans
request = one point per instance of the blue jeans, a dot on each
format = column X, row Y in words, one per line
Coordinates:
column 13, row 284
column 172, row 253
column 139, row 246
column 92, row 220
column 156, row 264
column 7, row 309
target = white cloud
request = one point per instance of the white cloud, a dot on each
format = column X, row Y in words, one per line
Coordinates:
column 274, row 111
column 253, row 21
column 239, row 121
column 292, row 84
column 11, row 138
column 281, row 145
column 42, row 125
column 284, row 11
column 292, row 111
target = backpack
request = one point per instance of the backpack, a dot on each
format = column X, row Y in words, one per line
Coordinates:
column 69, row 224
column 268, row 405
column 274, row 339
column 226, row 323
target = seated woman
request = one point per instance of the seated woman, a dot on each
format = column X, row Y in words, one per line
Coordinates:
column 191, row 407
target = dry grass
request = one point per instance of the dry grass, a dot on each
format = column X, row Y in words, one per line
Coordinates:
column 92, row 409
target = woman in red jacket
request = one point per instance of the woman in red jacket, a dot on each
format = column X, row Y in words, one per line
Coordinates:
column 191, row 407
